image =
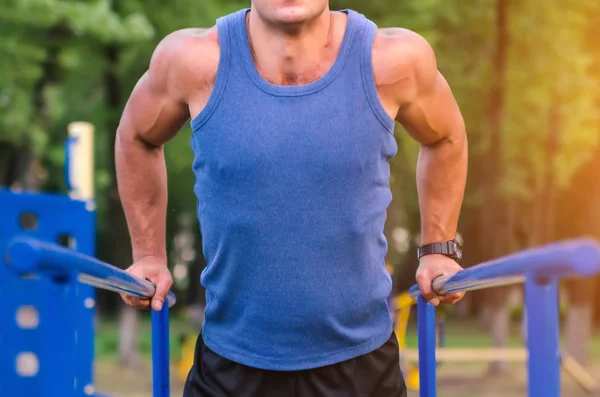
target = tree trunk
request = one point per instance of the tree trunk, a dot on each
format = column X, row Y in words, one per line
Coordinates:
column 581, row 292
column 493, row 197
column 25, row 170
column 463, row 308
column 578, row 324
column 128, row 338
column 15, row 163
column 500, row 325
column 579, row 319
column 496, row 229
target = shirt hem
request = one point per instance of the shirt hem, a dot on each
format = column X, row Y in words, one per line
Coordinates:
column 299, row 364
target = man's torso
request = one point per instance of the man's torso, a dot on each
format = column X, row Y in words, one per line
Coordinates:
column 293, row 185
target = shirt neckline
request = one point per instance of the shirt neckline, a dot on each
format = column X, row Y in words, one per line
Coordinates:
column 294, row 90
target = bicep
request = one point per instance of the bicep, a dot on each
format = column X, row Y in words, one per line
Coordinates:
column 151, row 114
column 433, row 115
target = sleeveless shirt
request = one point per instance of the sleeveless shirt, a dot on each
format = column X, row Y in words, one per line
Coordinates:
column 292, row 186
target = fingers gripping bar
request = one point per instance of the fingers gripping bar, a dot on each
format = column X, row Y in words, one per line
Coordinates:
column 439, row 284
column 28, row 255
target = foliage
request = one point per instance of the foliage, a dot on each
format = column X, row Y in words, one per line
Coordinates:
column 53, row 67
column 552, row 90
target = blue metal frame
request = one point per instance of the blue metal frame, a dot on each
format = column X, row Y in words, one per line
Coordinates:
column 56, row 216
column 426, row 341
column 64, row 269
column 540, row 269
column 160, row 353
column 53, row 284
column 541, row 296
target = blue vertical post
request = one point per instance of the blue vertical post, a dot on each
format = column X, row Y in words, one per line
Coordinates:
column 160, row 352
column 426, row 339
column 57, row 361
column 541, row 297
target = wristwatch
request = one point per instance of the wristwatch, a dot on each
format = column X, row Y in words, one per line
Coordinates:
column 451, row 249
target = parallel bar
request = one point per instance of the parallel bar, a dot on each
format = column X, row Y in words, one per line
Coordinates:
column 426, row 341
column 28, row 255
column 572, row 258
column 551, row 262
column 160, row 353
column 541, row 298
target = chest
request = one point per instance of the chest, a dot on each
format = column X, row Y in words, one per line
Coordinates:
column 267, row 136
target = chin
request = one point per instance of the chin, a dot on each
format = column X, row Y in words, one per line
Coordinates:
column 289, row 12
column 293, row 15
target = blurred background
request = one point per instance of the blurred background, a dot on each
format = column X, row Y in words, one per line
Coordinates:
column 526, row 75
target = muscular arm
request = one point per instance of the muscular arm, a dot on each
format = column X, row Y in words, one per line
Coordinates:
column 178, row 79
column 431, row 116
column 153, row 114
column 415, row 93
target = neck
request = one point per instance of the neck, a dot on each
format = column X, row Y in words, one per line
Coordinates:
column 290, row 54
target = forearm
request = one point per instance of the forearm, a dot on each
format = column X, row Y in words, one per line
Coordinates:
column 142, row 183
column 441, row 179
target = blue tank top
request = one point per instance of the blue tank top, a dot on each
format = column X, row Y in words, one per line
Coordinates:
column 293, row 185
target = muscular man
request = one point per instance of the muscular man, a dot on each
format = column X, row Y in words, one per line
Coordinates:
column 292, row 108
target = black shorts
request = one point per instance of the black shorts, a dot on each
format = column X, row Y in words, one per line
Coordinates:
column 376, row 374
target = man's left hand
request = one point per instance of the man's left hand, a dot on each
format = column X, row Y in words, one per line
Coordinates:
column 431, row 267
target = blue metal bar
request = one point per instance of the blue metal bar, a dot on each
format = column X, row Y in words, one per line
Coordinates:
column 572, row 258
column 28, row 255
column 426, row 341
column 540, row 269
column 541, row 298
column 160, row 353
column 59, row 351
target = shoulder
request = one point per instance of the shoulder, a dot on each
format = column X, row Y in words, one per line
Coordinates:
column 185, row 58
column 403, row 45
column 187, row 44
column 403, row 59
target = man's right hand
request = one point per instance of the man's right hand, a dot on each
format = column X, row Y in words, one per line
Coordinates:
column 154, row 269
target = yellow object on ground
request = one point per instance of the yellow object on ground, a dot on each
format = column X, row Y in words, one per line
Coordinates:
column 403, row 303
column 183, row 366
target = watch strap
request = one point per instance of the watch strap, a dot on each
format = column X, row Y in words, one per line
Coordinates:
column 448, row 248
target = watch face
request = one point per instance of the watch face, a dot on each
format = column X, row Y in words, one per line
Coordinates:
column 457, row 250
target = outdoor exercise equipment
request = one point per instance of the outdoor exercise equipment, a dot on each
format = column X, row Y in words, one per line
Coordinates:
column 402, row 307
column 47, row 275
column 539, row 269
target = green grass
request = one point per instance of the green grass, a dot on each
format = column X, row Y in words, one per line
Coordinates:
column 463, row 334
column 107, row 336
column 468, row 334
